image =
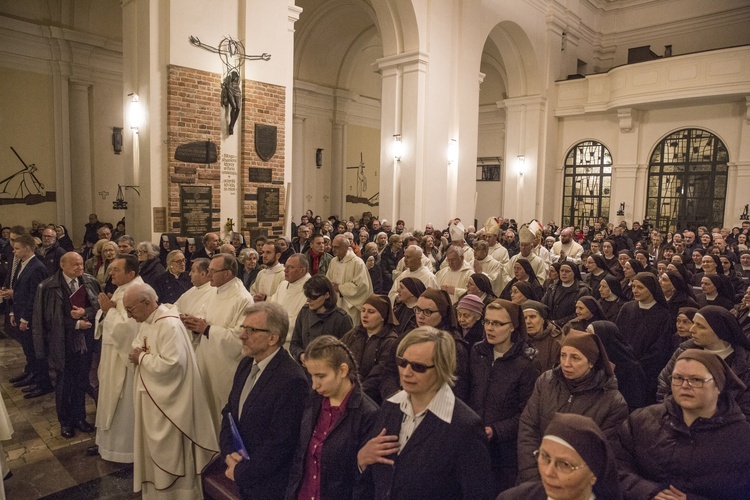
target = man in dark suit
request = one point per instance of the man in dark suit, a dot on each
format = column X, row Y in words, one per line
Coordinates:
column 267, row 399
column 28, row 273
column 64, row 336
column 210, row 248
column 426, row 443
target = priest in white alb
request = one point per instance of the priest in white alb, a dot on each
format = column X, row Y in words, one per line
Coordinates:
column 350, row 278
column 174, row 434
column 454, row 276
column 268, row 279
column 114, row 408
column 291, row 294
column 194, row 301
column 220, row 349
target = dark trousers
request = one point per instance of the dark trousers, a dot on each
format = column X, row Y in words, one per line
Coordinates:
column 27, row 344
column 70, row 393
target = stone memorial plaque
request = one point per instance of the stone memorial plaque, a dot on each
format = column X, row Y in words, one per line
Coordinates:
column 195, row 209
column 268, row 204
column 197, row 152
column 261, row 175
column 160, row 219
column 265, row 141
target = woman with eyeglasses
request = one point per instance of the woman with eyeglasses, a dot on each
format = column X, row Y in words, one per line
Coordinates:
column 320, row 316
column 575, row 462
column 336, row 423
column 426, row 442
column 583, row 383
column 503, row 373
column 149, row 265
column 171, row 284
column 715, row 330
column 693, row 445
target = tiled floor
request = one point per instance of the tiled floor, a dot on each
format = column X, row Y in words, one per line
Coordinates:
column 44, row 464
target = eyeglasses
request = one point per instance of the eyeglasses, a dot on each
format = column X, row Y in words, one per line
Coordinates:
column 417, row 367
column 251, row 329
column 496, row 324
column 130, row 309
column 214, row 271
column 694, row 382
column 562, row 466
column 426, row 312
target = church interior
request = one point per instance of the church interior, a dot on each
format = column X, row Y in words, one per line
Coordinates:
column 421, row 110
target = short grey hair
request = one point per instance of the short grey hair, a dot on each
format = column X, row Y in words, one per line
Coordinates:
column 277, row 319
column 303, row 260
column 230, row 262
column 150, row 249
column 245, row 254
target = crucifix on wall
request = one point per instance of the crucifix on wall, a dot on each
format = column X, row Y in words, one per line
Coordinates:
column 232, row 55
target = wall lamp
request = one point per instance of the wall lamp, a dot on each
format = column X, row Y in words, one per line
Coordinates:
column 521, row 164
column 398, row 147
column 452, row 152
column 135, row 112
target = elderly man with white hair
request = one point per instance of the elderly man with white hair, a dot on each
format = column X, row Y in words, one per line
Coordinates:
column 350, row 278
column 453, row 277
column 174, row 435
column 413, row 268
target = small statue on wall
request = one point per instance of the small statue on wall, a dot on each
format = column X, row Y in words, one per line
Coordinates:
column 231, row 96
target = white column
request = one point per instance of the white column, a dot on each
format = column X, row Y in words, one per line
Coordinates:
column 80, row 153
column 338, row 155
column 628, row 183
column 298, row 168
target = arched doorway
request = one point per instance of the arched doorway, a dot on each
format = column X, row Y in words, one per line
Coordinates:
column 687, row 181
column 587, row 184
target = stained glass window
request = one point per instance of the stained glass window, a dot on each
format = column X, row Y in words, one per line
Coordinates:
column 586, row 184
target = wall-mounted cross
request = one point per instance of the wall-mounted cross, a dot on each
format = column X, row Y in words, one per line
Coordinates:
column 104, row 194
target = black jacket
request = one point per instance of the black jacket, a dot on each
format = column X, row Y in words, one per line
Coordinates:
column 150, row 270
column 53, row 325
column 24, row 289
column 561, row 301
column 311, row 325
column 500, row 390
column 51, row 257
column 338, row 468
column 369, row 353
column 269, row 425
column 440, row 460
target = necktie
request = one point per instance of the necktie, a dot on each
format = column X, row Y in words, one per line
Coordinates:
column 15, row 270
column 249, row 383
column 73, row 285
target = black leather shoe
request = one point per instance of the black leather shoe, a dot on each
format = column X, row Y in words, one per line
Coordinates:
column 20, row 377
column 38, row 392
column 25, row 382
column 92, row 451
column 84, row 426
column 67, row 432
column 8, row 475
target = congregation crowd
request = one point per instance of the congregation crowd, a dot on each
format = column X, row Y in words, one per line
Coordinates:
column 365, row 359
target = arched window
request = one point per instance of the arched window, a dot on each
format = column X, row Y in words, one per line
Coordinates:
column 687, row 181
column 587, row 184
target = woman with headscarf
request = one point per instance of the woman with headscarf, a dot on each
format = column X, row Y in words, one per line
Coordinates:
column 630, row 268
column 678, row 293
column 610, row 258
column 644, row 258
column 597, row 270
column 683, row 324
column 717, row 292
column 521, row 291
column 715, row 330
column 381, row 281
column 680, row 268
column 543, row 335
column 171, row 284
column 167, row 243
column 470, row 315
column 63, row 239
column 409, row 290
column 287, row 250
column 583, row 383
column 503, row 373
column 149, row 266
column 588, row 310
column 611, row 297
column 561, row 297
column 742, row 313
column 522, row 271
column 434, row 309
column 479, row 284
column 647, row 326
column 575, row 461
column 631, row 381
column 371, row 340
column 693, row 445
column 710, row 266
